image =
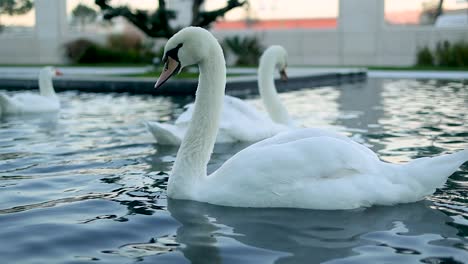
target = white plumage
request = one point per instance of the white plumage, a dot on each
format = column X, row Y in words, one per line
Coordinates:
column 239, row 120
column 302, row 168
column 30, row 103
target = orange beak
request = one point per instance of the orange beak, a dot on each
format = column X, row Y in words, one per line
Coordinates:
column 171, row 67
column 58, row 73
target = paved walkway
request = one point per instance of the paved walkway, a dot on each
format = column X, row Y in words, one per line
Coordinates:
column 110, row 79
column 33, row 72
column 82, row 72
column 448, row 75
column 68, row 71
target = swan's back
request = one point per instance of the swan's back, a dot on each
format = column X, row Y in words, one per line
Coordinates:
column 318, row 171
column 232, row 107
column 29, row 103
column 315, row 172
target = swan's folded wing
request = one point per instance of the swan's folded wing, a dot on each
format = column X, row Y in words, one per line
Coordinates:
column 166, row 134
column 186, row 116
column 318, row 157
column 238, row 107
column 310, row 172
column 298, row 134
column 244, row 122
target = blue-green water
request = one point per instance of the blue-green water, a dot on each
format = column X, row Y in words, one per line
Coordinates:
column 88, row 185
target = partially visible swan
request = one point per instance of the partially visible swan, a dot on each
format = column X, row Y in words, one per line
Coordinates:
column 301, row 168
column 26, row 103
column 239, row 120
column 274, row 56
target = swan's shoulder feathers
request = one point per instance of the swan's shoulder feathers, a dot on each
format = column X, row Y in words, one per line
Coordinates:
column 298, row 134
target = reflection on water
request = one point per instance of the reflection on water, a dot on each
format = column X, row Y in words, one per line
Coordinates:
column 88, row 185
column 372, row 235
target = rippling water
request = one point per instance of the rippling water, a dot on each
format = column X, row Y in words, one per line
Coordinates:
column 88, row 185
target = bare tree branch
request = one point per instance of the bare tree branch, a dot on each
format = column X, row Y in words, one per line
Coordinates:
column 157, row 24
column 204, row 19
column 154, row 25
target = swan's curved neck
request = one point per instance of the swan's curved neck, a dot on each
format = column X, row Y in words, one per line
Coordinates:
column 46, row 87
column 268, row 93
column 196, row 148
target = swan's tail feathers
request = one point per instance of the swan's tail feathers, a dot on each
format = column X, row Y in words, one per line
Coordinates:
column 165, row 134
column 432, row 173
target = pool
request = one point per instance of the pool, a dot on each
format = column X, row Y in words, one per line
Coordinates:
column 88, row 185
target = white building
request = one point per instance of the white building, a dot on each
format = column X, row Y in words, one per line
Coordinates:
column 361, row 37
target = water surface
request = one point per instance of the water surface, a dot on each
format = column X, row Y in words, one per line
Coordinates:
column 87, row 185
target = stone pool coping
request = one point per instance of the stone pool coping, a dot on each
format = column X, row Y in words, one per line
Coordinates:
column 298, row 78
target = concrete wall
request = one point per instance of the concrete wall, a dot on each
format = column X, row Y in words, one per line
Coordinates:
column 44, row 45
column 361, row 38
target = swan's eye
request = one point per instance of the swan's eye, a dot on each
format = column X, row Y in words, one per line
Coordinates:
column 174, row 53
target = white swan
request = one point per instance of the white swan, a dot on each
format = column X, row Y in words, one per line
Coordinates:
column 302, row 168
column 239, row 120
column 27, row 103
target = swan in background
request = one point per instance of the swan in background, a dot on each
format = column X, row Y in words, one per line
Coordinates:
column 274, row 57
column 300, row 168
column 28, row 103
column 239, row 120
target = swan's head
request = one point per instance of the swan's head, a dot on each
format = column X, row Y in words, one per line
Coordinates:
column 189, row 46
column 280, row 56
column 49, row 71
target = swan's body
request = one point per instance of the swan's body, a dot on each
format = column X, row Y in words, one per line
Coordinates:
column 28, row 103
column 303, row 168
column 239, row 120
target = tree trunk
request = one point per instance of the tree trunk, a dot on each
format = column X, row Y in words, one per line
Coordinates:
column 196, row 10
column 440, row 9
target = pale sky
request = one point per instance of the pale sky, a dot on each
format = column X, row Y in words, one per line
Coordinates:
column 278, row 9
column 262, row 9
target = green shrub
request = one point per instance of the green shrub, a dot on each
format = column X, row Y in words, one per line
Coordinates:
column 446, row 54
column 424, row 57
column 246, row 49
column 443, row 54
column 74, row 50
column 460, row 54
column 124, row 42
column 85, row 51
